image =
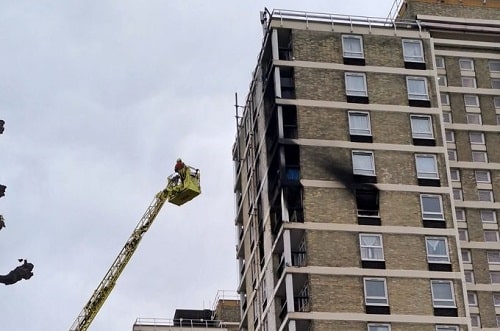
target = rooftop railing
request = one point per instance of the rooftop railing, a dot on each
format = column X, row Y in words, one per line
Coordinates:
column 178, row 323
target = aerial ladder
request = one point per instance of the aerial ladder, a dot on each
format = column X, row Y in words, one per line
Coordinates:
column 182, row 186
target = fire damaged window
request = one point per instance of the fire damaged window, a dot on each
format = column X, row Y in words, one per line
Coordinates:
column 292, row 165
column 367, row 202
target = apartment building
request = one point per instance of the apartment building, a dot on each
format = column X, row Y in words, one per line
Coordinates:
column 366, row 171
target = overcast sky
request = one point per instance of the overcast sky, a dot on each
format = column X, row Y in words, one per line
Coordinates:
column 99, row 99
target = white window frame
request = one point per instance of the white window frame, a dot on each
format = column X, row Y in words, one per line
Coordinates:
column 463, row 235
column 426, row 173
column 457, row 194
column 359, row 131
column 376, row 326
column 496, row 102
column 352, row 91
column 442, row 302
column 485, row 195
column 446, row 328
column 496, row 274
column 445, row 99
column 460, row 215
column 350, row 53
column 440, row 64
column 447, row 117
column 432, row 215
column 494, row 66
column 493, row 257
column 442, row 81
column 482, row 176
column 495, row 83
column 360, row 171
column 375, row 300
column 466, row 255
column 479, row 156
column 474, row 118
column 413, row 58
column 437, row 258
column 416, row 95
column 473, row 83
column 424, row 134
column 491, row 212
column 475, row 320
column 450, row 136
column 498, row 119
column 455, row 174
column 452, row 154
column 369, row 252
column 496, row 299
column 472, row 298
column 471, row 100
column 476, row 138
column 469, row 276
column 466, row 64
column 491, row 236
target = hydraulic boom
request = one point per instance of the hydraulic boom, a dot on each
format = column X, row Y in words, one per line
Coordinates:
column 181, row 187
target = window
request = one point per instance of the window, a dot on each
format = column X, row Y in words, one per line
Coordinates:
column 362, row 163
column 442, row 80
column 495, row 277
column 450, row 136
column 475, row 320
column 437, row 250
column 463, row 235
column 421, row 126
column 359, row 123
column 355, row 84
column 371, row 247
column 471, row 100
column 498, row 119
column 496, row 299
column 493, row 257
column 479, row 156
column 442, row 293
column 497, row 317
column 445, row 99
column 447, row 117
column 473, row 118
column 455, row 175
column 375, row 292
column 469, row 276
column 460, row 214
column 352, row 46
column 472, row 298
column 457, row 194
column 469, row 82
column 482, row 176
column 494, row 66
column 446, row 328
column 476, row 138
column 491, row 236
column 417, row 88
column 495, row 83
column 431, row 207
column 496, row 101
column 413, row 50
column 379, row 327
column 426, row 166
column 440, row 62
column 452, row 154
column 466, row 64
column 488, row 216
column 466, row 256
column 485, row 195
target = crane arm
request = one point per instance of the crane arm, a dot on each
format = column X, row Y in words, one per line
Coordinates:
column 180, row 189
column 101, row 293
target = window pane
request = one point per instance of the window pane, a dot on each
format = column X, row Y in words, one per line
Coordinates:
column 421, row 126
column 469, row 82
column 446, row 328
column 417, row 88
column 442, row 294
column 496, row 102
column 460, row 214
column 495, row 277
column 431, row 207
column 373, row 327
column 353, row 46
column 475, row 320
column 355, row 84
column 437, row 250
column 485, row 195
column 426, row 166
column 445, row 99
column 466, row 64
column 496, row 299
column 495, row 83
column 494, row 66
column 482, row 176
column 447, row 117
column 440, row 62
column 371, row 247
column 476, row 137
column 412, row 51
column 472, row 298
column 479, row 157
column 442, row 80
column 466, row 256
column 474, row 119
column 471, row 100
column 469, row 276
column 452, row 154
column 362, row 163
column 493, row 257
column 455, row 175
column 375, row 292
column 359, row 123
column 450, row 136
column 488, row 216
column 491, row 236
